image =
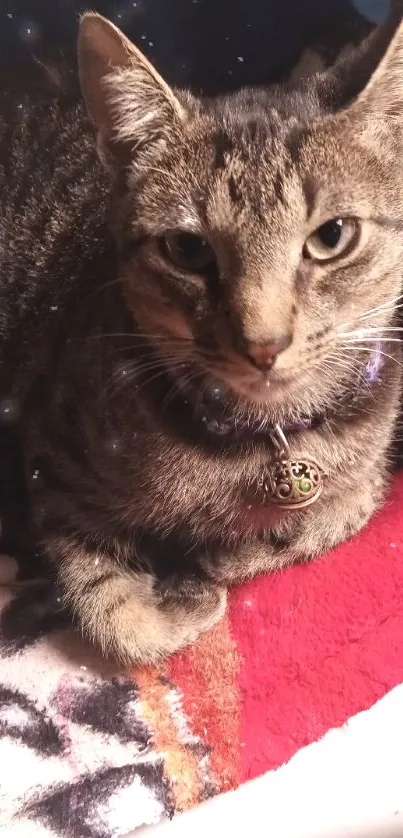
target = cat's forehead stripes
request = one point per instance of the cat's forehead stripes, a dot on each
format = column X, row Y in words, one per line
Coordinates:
column 272, row 142
column 242, row 137
column 309, row 189
column 223, row 146
column 253, row 177
column 294, row 139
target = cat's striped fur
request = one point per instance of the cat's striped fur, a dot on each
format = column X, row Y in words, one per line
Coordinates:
column 142, row 514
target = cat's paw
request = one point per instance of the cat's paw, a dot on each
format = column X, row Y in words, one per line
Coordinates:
column 134, row 623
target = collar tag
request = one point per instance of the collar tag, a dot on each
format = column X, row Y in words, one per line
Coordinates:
column 291, row 484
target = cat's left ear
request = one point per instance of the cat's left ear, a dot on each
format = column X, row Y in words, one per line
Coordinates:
column 129, row 103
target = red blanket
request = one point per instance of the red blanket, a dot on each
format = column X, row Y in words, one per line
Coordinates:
column 302, row 651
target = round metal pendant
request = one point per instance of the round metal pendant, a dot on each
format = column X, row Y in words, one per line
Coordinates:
column 293, row 484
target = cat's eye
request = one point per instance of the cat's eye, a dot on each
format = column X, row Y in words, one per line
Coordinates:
column 333, row 239
column 189, row 252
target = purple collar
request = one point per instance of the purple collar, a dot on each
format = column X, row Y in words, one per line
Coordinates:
column 371, row 375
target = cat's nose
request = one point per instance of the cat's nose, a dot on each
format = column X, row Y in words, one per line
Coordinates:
column 263, row 355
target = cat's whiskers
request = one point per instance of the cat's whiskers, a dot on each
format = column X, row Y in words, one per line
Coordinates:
column 149, row 380
column 373, row 339
column 156, row 339
column 354, row 346
column 370, row 331
column 346, row 365
column 390, row 305
column 186, row 380
column 327, row 368
column 338, row 356
column 374, row 334
column 125, row 376
column 175, row 347
column 103, row 287
column 143, row 350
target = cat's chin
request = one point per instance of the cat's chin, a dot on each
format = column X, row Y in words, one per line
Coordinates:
column 265, row 391
column 271, row 391
column 228, row 406
column 253, row 402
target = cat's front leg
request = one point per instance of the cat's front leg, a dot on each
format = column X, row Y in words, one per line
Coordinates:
column 127, row 614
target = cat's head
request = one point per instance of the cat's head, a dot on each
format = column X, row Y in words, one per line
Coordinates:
column 261, row 233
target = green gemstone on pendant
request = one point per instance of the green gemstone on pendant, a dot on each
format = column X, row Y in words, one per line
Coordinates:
column 305, row 486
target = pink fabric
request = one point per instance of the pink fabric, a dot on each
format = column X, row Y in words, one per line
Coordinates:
column 320, row 642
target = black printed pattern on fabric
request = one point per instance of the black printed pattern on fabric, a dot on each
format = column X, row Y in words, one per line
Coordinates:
column 21, row 720
column 107, row 708
column 69, row 810
column 76, row 756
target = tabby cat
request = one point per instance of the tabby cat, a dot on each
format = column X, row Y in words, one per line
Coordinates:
column 207, row 280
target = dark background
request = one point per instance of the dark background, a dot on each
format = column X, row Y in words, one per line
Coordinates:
column 210, row 45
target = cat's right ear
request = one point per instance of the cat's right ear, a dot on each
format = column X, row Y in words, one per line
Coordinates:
column 369, row 74
column 130, row 105
column 381, row 100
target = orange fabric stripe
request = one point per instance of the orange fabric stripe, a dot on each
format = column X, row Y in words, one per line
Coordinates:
column 181, row 767
column 207, row 674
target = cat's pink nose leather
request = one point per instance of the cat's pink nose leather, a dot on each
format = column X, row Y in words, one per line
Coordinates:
column 263, row 355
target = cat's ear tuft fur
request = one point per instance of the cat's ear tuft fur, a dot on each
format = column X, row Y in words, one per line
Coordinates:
column 128, row 102
column 358, row 68
column 383, row 95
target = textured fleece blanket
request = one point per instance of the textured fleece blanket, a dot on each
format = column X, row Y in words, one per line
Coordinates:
column 88, row 750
